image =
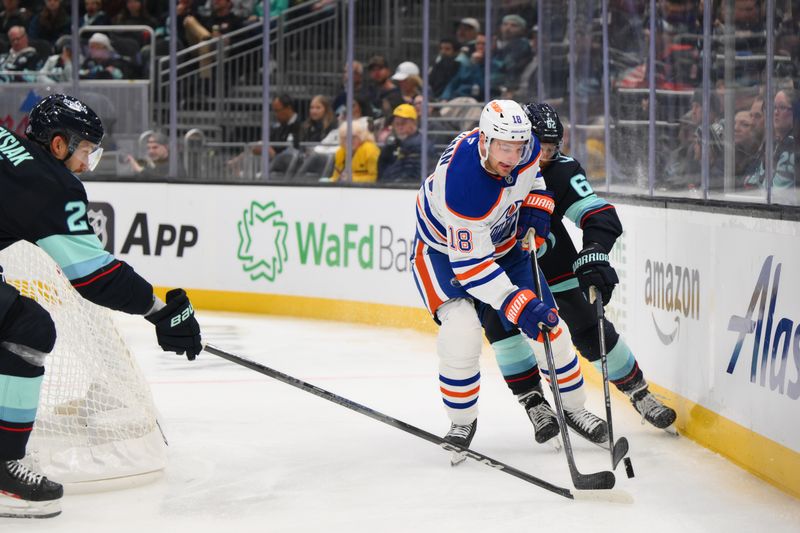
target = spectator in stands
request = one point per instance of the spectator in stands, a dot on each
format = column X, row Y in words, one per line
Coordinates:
column 512, row 54
column 221, row 20
column 50, row 23
column 469, row 79
column 746, row 147
column 286, row 128
column 285, row 132
column 320, row 121
column 444, row 68
column 13, row 15
column 276, row 7
column 407, row 77
column 467, row 31
column 156, row 163
column 676, row 49
column 365, row 155
column 783, row 155
column 359, row 88
column 757, row 118
column 134, row 14
column 524, row 8
column 384, row 87
column 93, row 14
column 21, row 56
column 400, row 157
column 104, row 63
column 58, row 67
column 362, row 112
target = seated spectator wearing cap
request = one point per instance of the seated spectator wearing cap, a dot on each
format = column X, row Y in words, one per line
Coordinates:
column 365, row 155
column 383, row 86
column 512, row 54
column 104, row 63
column 400, row 159
column 156, row 163
column 467, row 31
column 407, row 77
column 21, row 56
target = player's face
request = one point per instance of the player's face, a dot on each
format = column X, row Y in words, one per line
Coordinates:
column 505, row 155
column 549, row 151
column 85, row 157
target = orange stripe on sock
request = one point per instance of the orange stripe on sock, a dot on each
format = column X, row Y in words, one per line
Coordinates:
column 454, row 394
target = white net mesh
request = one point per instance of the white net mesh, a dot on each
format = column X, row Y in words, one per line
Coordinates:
column 96, row 419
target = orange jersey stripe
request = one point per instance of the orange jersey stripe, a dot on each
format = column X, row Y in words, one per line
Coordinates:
column 474, row 271
column 425, row 278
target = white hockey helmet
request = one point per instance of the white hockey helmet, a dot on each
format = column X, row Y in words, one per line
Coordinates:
column 505, row 120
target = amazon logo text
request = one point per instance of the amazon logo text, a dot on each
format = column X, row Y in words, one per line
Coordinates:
column 674, row 289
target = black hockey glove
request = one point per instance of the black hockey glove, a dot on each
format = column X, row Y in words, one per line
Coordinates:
column 593, row 269
column 176, row 327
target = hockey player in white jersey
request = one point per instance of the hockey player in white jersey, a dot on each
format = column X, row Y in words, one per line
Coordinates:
column 484, row 196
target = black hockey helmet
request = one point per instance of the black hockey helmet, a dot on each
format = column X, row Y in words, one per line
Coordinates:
column 60, row 114
column 545, row 122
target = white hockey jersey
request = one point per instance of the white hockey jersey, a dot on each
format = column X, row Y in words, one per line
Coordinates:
column 471, row 215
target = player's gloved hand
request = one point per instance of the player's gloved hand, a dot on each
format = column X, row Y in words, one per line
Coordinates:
column 593, row 269
column 176, row 327
column 534, row 214
column 529, row 313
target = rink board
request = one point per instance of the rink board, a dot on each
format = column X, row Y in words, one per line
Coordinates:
column 708, row 302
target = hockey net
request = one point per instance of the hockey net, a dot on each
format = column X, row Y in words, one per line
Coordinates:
column 96, row 422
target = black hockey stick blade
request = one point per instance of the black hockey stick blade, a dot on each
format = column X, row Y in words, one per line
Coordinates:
column 587, row 493
column 603, row 480
column 619, row 452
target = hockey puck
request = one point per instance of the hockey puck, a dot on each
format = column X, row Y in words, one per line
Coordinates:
column 628, row 467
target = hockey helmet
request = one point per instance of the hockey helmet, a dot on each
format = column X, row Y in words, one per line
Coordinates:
column 505, row 120
column 545, row 122
column 60, row 114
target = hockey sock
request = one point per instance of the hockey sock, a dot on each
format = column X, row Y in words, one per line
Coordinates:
column 517, row 364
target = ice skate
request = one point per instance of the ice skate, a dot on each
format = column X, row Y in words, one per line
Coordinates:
column 545, row 423
column 587, row 425
column 651, row 408
column 461, row 435
column 25, row 494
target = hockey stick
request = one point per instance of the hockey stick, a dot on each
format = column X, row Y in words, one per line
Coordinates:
column 617, row 449
column 617, row 496
column 596, row 480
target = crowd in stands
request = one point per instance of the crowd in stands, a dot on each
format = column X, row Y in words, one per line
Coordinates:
column 388, row 94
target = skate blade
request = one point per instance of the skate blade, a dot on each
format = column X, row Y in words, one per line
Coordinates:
column 670, row 430
column 456, row 458
column 555, row 444
column 11, row 507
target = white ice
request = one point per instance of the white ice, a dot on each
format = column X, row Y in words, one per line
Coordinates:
column 249, row 453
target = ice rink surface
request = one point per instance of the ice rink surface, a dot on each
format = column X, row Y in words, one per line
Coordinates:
column 249, row 453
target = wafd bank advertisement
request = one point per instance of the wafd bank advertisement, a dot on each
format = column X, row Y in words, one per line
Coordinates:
column 345, row 244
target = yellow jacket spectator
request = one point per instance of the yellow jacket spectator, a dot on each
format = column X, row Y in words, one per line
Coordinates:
column 365, row 155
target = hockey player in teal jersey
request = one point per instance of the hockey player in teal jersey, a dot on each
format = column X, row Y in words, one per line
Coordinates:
column 570, row 272
column 44, row 202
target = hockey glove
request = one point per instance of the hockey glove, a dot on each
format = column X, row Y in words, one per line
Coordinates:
column 176, row 327
column 593, row 269
column 534, row 214
column 529, row 313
